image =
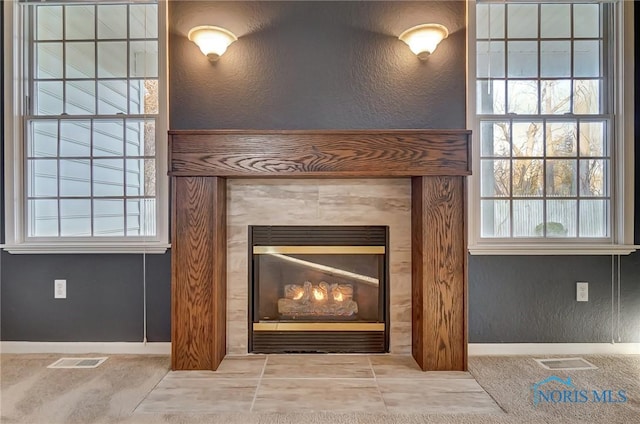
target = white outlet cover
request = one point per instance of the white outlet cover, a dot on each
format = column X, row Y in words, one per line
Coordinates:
column 60, row 289
column 582, row 291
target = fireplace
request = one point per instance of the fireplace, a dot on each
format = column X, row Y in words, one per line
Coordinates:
column 201, row 161
column 318, row 289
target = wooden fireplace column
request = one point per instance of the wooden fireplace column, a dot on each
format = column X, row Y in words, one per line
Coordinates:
column 438, row 161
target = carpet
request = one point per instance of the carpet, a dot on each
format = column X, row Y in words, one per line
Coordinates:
column 32, row 394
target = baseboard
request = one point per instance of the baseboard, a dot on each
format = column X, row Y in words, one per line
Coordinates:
column 480, row 349
column 474, row 349
column 155, row 348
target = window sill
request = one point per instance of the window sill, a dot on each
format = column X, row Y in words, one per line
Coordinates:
column 551, row 249
column 90, row 248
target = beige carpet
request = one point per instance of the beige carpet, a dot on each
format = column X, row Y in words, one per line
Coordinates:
column 31, row 393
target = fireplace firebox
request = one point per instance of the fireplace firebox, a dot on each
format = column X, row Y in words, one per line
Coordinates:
column 318, row 289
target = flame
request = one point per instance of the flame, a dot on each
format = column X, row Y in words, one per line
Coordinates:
column 337, row 296
column 299, row 294
column 318, row 294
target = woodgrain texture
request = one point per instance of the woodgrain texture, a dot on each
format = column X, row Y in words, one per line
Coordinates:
column 438, row 161
column 328, row 154
column 198, row 267
column 439, row 273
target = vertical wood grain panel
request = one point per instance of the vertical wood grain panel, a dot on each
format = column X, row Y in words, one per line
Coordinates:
column 439, row 268
column 198, row 300
column 417, row 270
column 219, row 339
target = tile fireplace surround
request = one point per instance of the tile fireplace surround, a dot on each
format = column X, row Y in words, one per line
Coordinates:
column 411, row 180
column 319, row 202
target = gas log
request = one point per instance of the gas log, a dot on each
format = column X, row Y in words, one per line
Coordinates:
column 315, row 300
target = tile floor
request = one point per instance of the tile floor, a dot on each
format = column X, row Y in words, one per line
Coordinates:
column 318, row 383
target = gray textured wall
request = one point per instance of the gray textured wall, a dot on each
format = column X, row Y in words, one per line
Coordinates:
column 520, row 299
column 1, row 137
column 306, row 65
column 104, row 298
column 315, row 65
column 636, row 19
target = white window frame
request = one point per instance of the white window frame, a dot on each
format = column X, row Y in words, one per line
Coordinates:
column 14, row 159
column 622, row 155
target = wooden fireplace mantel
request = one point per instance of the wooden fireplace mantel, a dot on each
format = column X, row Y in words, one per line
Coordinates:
column 437, row 161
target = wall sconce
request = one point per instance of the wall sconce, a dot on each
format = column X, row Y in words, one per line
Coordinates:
column 423, row 39
column 212, row 40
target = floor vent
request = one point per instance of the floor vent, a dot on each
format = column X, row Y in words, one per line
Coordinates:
column 77, row 363
column 566, row 364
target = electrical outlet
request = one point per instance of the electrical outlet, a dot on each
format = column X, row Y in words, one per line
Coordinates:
column 59, row 289
column 582, row 291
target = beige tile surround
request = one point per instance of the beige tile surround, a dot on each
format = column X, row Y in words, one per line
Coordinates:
column 319, row 202
column 384, row 384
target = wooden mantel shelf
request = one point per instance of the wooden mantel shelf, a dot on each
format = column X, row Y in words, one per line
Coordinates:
column 316, row 154
column 437, row 161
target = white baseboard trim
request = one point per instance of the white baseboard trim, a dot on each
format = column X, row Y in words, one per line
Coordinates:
column 474, row 349
column 155, row 348
column 484, row 349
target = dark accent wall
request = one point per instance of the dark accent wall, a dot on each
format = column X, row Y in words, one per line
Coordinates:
column 636, row 61
column 531, row 299
column 1, row 133
column 104, row 297
column 318, row 65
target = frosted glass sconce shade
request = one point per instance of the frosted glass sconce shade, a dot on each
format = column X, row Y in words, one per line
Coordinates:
column 212, row 40
column 423, row 39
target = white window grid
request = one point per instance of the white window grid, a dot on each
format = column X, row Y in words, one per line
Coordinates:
column 501, row 79
column 131, row 191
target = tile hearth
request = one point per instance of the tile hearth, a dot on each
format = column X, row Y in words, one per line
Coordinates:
column 319, row 383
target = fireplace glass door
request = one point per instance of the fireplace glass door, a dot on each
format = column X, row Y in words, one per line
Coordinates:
column 319, row 293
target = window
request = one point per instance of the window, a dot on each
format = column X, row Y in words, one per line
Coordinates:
column 91, row 96
column 545, row 123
